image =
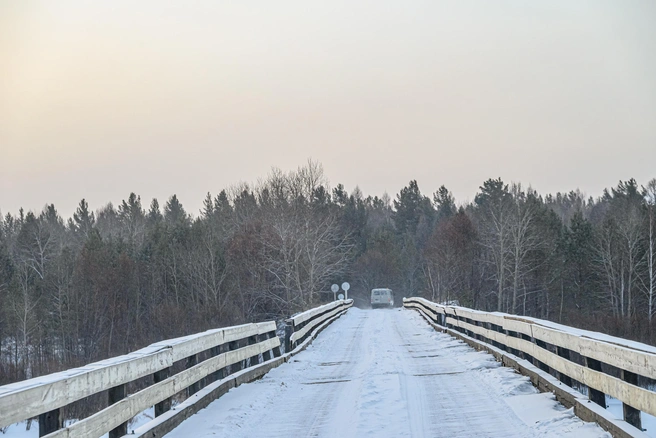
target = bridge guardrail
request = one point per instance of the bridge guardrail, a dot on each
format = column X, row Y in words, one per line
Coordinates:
column 301, row 326
column 217, row 360
column 227, row 350
column 549, row 346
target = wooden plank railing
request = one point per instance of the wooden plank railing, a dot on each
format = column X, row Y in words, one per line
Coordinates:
column 226, row 350
column 300, row 326
column 549, row 345
column 213, row 362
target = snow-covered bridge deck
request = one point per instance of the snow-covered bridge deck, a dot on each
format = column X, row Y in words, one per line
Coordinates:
column 386, row 373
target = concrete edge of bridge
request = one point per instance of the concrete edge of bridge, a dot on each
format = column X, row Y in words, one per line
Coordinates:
column 168, row 421
column 544, row 382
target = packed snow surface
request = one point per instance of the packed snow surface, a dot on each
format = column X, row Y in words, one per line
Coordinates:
column 386, row 373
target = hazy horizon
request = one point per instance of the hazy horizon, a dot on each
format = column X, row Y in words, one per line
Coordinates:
column 100, row 100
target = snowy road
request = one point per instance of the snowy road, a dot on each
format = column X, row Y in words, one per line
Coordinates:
column 386, row 373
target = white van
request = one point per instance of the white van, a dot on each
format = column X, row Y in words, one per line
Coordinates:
column 382, row 298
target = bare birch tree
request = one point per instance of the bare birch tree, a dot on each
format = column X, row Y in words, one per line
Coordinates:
column 650, row 200
column 494, row 205
column 523, row 237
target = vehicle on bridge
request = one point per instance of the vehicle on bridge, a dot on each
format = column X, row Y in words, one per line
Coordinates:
column 382, row 297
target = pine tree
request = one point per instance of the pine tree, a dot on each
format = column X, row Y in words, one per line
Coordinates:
column 412, row 208
column 174, row 213
column 208, row 207
column 444, row 204
column 154, row 214
column 82, row 222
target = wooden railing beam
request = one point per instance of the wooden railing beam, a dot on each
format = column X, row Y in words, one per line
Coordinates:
column 200, row 353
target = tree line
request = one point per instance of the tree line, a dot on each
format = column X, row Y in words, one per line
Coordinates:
column 104, row 283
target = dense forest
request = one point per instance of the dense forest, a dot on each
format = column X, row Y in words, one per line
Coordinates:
column 107, row 282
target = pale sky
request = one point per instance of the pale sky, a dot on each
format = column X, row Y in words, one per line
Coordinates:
column 98, row 99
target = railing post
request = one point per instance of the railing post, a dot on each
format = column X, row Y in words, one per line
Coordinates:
column 511, row 350
column 222, row 372
column 289, row 329
column 594, row 394
column 631, row 414
column 524, row 354
column 254, row 360
column 505, row 347
column 49, row 422
column 266, row 355
column 543, row 366
column 497, row 328
column 276, row 350
column 564, row 353
column 234, row 345
column 117, row 394
column 479, row 336
column 164, row 405
column 194, row 387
